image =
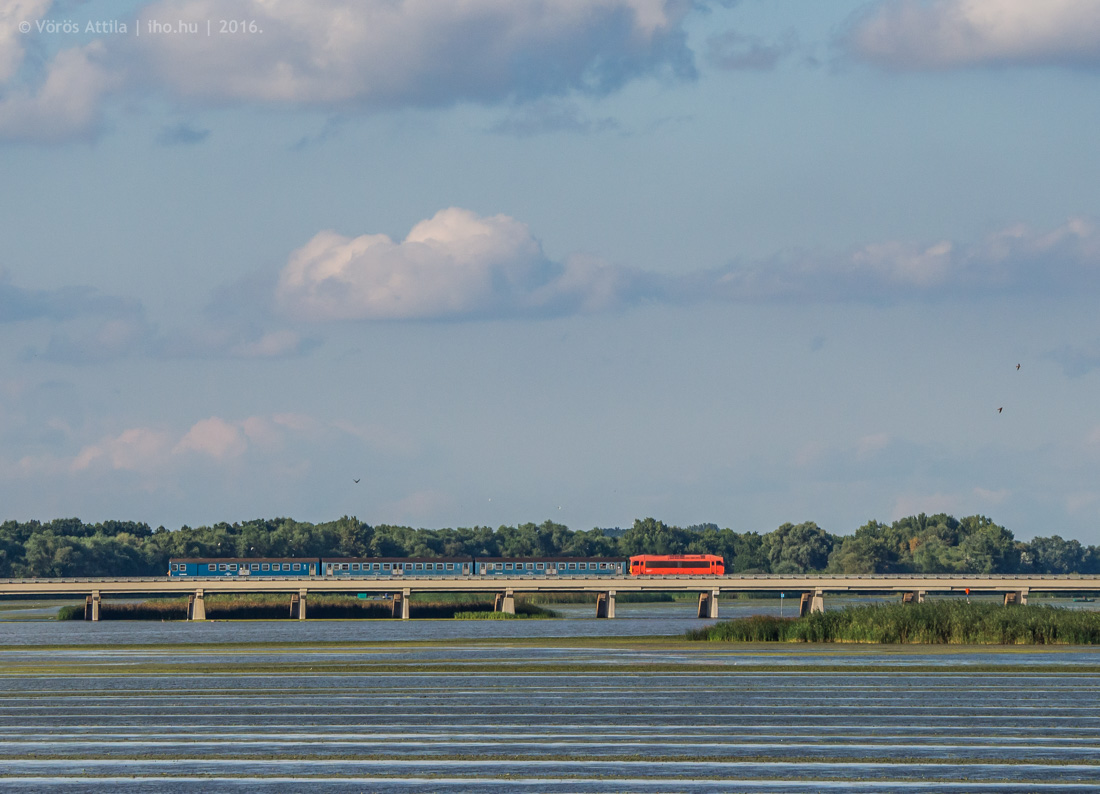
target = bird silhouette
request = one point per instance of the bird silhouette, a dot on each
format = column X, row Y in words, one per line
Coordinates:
column 1017, row 366
column 357, row 481
column 1000, row 409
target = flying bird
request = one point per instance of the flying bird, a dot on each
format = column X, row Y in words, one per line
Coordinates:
column 1017, row 366
column 1000, row 409
column 357, row 481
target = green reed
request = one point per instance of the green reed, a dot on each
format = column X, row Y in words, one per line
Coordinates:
column 937, row 622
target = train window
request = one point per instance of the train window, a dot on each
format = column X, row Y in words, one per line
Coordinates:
column 297, row 566
column 419, row 566
column 355, row 566
column 255, row 566
column 572, row 566
column 539, row 566
column 222, row 567
column 450, row 566
column 266, row 566
column 507, row 566
column 232, row 566
column 385, row 566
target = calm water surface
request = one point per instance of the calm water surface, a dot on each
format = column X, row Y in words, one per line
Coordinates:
column 342, row 706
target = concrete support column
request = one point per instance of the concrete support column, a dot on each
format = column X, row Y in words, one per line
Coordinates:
column 508, row 603
column 405, row 603
column 818, row 602
column 196, row 606
column 298, row 605
column 708, row 604
column 397, row 605
column 1016, row 597
column 920, row 596
column 91, row 606
column 605, row 604
column 1022, row 598
column 804, row 604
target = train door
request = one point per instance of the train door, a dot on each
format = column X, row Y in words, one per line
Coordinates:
column 465, row 569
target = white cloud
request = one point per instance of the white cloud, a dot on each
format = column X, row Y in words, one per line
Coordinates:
column 66, row 105
column 12, row 14
column 133, row 450
column 213, row 437
column 918, row 34
column 412, row 52
column 454, row 265
column 458, row 265
column 337, row 55
column 1014, row 259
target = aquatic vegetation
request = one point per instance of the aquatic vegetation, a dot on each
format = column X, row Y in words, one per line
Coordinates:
column 942, row 622
column 273, row 606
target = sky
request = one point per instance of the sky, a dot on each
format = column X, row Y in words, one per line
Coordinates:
column 447, row 264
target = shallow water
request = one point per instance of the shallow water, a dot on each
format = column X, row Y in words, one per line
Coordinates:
column 172, row 707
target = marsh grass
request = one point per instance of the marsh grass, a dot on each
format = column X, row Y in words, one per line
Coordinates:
column 937, row 623
column 273, row 606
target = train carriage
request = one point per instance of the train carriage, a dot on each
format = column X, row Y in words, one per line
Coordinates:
column 397, row 566
column 228, row 566
column 552, row 566
column 677, row 565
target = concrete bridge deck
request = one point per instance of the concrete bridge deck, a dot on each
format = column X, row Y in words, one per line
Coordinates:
column 813, row 589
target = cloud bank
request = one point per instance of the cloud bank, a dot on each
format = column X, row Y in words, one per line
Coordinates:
column 340, row 55
column 458, row 265
column 945, row 34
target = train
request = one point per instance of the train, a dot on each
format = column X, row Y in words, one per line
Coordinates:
column 443, row 567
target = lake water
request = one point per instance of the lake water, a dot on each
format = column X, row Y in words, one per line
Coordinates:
column 448, row 706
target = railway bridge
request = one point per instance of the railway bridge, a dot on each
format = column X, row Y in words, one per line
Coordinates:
column 811, row 590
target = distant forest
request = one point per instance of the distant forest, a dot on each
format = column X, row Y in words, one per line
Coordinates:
column 917, row 544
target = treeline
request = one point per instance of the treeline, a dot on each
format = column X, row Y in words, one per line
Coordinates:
column 917, row 544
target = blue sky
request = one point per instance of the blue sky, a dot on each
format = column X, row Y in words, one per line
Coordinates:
column 734, row 262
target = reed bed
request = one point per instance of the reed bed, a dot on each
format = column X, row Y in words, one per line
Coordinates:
column 277, row 607
column 935, row 623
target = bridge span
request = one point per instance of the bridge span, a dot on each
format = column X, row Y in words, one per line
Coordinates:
column 812, row 590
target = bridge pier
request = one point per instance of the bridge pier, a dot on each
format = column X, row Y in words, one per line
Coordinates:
column 298, row 604
column 506, row 602
column 91, row 606
column 605, row 604
column 1016, row 597
column 401, row 604
column 196, row 606
column 708, row 604
column 811, row 602
column 912, row 597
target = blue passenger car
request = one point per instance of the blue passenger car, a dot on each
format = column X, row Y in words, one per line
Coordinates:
column 397, row 566
column 224, row 566
column 553, row 566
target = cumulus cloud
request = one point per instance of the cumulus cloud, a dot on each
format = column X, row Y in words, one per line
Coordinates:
column 941, row 34
column 214, row 439
column 454, row 265
column 339, row 55
column 414, row 52
column 132, row 450
column 458, row 265
column 68, row 102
